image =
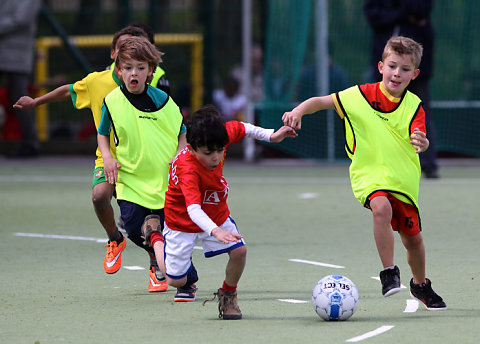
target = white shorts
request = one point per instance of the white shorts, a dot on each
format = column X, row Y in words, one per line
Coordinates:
column 179, row 247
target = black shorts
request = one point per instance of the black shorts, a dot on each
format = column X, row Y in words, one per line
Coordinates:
column 133, row 216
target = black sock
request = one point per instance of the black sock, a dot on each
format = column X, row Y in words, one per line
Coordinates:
column 192, row 276
column 117, row 236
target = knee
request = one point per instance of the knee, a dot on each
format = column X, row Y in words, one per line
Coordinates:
column 240, row 253
column 382, row 210
column 176, row 283
column 101, row 198
column 412, row 242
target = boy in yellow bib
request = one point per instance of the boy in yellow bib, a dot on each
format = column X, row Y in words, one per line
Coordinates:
column 384, row 132
column 147, row 129
column 89, row 93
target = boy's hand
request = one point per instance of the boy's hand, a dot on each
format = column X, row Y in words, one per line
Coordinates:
column 293, row 119
column 110, row 169
column 419, row 141
column 24, row 103
column 282, row 133
column 224, row 236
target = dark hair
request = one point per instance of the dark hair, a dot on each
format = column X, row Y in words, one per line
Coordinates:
column 206, row 127
column 128, row 30
column 148, row 30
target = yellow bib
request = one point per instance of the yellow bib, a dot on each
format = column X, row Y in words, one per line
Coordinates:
column 145, row 144
column 383, row 158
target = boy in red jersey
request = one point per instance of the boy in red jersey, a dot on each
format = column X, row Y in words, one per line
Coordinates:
column 385, row 130
column 196, row 206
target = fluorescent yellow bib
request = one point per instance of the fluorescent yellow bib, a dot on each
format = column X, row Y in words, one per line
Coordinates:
column 146, row 142
column 383, row 158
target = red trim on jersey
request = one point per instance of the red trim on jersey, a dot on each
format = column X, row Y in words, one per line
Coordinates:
column 191, row 183
column 386, row 103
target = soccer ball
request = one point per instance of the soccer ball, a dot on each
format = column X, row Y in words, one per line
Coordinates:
column 335, row 297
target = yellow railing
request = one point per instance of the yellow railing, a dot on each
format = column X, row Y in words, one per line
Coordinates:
column 44, row 44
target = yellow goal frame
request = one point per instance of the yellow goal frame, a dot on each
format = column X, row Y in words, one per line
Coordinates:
column 44, row 44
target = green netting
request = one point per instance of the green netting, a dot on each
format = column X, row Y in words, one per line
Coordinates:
column 288, row 24
column 290, row 75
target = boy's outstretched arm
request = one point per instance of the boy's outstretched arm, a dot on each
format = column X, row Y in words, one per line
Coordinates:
column 61, row 93
column 282, row 133
column 294, row 118
column 419, row 140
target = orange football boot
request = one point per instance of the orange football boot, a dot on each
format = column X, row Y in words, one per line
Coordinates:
column 157, row 281
column 113, row 257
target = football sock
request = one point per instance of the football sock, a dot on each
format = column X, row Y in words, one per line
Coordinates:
column 117, row 236
column 192, row 276
column 389, row 268
column 229, row 288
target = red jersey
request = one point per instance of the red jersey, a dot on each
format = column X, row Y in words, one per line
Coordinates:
column 191, row 183
column 381, row 100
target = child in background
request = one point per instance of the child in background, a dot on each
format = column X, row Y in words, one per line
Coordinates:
column 159, row 79
column 196, row 206
column 231, row 103
column 146, row 125
column 385, row 131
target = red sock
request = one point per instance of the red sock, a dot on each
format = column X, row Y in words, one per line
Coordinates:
column 226, row 287
column 154, row 237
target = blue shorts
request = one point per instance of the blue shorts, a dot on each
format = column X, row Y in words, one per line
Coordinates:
column 133, row 216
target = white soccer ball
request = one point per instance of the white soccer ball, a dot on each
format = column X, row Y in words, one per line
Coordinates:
column 335, row 297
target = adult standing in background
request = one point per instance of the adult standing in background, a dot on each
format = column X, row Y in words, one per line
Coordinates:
column 410, row 18
column 18, row 24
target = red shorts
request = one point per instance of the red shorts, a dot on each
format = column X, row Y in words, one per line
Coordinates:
column 404, row 215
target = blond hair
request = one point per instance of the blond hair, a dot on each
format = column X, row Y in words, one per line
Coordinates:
column 404, row 46
column 140, row 49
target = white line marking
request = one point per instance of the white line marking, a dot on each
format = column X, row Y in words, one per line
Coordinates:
column 412, row 306
column 378, row 279
column 133, row 268
column 233, row 180
column 44, row 179
column 70, row 237
column 370, row 334
column 308, row 195
column 282, row 180
column 317, row 263
column 292, row 301
column 55, row 236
